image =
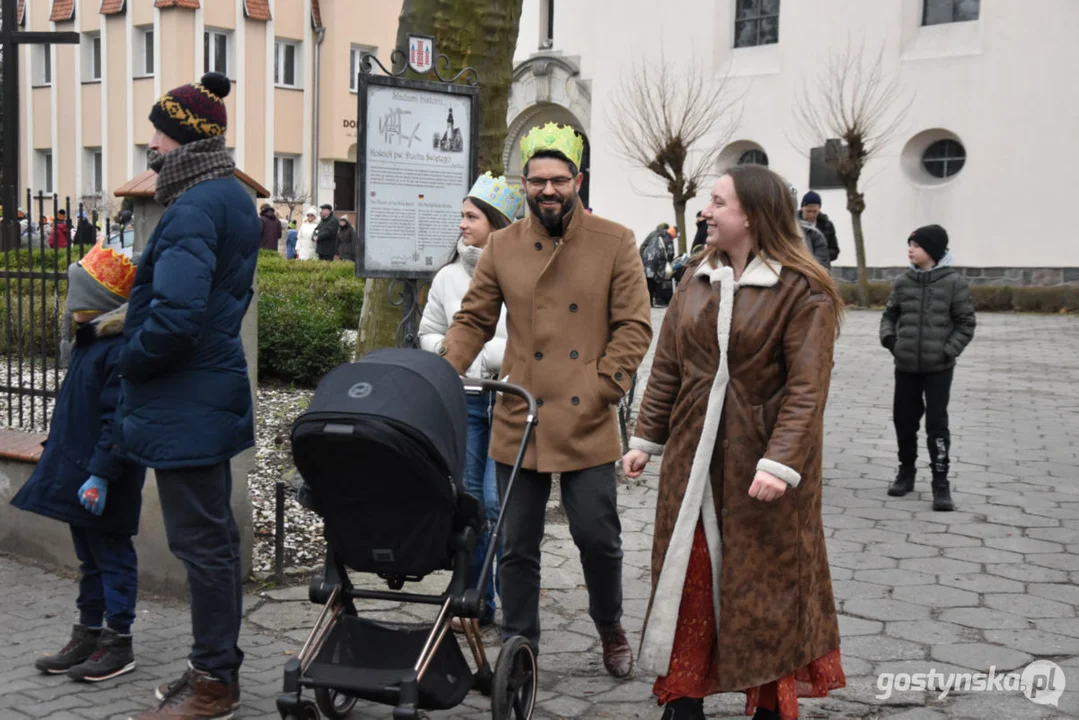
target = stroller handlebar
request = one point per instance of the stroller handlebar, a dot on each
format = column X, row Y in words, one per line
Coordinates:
column 475, row 386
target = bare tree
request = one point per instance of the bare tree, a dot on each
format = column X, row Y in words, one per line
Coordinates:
column 292, row 198
column 673, row 122
column 854, row 109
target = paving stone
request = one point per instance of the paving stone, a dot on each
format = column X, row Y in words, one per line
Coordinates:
column 980, row 583
column 939, row 566
column 1028, row 573
column 1005, row 706
column 852, row 626
column 1039, row 643
column 983, row 555
column 861, row 561
column 1058, row 561
column 935, row 596
column 878, row 648
column 984, row 618
column 1061, row 592
column 981, row 656
column 930, row 632
column 885, row 610
column 894, row 577
column 981, row 529
column 944, row 540
column 902, row 550
column 1029, row 606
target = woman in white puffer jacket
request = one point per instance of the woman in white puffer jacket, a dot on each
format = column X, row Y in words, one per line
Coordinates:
column 491, row 205
column 305, row 243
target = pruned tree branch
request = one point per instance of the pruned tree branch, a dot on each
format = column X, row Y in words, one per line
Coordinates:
column 673, row 122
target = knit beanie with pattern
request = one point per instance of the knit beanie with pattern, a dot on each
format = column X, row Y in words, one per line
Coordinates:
column 195, row 111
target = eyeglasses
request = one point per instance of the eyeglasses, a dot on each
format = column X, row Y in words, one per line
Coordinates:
column 537, row 183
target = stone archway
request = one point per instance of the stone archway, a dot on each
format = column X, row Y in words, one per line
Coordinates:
column 547, row 88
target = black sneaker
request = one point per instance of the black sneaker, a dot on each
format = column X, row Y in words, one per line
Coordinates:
column 79, row 648
column 112, row 658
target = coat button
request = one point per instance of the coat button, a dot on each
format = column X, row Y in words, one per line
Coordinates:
column 573, row 307
column 539, row 356
column 618, row 375
column 726, row 444
column 539, row 246
column 539, row 402
column 575, row 400
column 723, row 512
column 573, row 355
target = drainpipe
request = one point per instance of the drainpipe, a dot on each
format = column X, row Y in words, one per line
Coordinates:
column 321, row 31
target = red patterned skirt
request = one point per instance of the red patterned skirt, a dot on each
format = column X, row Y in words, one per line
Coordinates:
column 693, row 671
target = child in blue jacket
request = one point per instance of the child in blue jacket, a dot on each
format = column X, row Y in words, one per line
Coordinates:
column 81, row 481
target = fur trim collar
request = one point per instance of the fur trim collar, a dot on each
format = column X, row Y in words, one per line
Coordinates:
column 110, row 324
column 760, row 272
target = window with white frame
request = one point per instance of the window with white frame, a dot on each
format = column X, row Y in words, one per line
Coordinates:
column 939, row 12
column 91, row 57
column 284, row 175
column 217, row 46
column 286, row 65
column 41, row 65
column 143, row 55
column 756, row 22
column 357, row 53
column 95, row 170
column 44, row 171
column 141, row 162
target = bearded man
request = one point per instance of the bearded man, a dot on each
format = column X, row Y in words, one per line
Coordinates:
column 578, row 326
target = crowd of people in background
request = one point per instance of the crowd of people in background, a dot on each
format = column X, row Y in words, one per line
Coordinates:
column 322, row 235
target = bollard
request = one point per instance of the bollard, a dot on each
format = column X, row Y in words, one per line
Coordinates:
column 279, row 533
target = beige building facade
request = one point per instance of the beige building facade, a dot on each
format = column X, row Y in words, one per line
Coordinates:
column 292, row 109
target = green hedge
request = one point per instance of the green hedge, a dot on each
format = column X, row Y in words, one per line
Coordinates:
column 990, row 298
column 304, row 307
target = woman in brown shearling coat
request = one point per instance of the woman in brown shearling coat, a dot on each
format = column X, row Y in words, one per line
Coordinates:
column 741, row 591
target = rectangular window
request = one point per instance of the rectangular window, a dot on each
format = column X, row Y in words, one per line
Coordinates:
column 44, row 171
column 98, row 178
column 357, row 54
column 143, row 59
column 756, row 23
column 822, row 175
column 939, row 12
column 91, row 59
column 141, row 163
column 285, row 69
column 284, row 173
column 215, row 51
column 546, row 24
column 41, row 65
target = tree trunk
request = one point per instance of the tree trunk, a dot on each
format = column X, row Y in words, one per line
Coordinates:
column 680, row 222
column 481, row 34
column 859, row 251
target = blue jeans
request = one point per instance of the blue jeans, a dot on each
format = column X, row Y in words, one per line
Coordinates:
column 480, row 481
column 108, row 579
column 290, row 245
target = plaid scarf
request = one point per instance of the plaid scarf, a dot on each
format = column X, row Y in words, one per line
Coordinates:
column 185, row 167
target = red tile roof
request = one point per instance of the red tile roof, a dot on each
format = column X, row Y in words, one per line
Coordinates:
column 257, row 9
column 189, row 4
column 316, row 14
column 112, row 7
column 62, row 10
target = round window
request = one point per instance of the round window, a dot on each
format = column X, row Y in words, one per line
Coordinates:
column 753, row 157
column 944, row 158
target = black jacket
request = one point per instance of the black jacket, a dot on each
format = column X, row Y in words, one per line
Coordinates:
column 326, row 236
column 929, row 320
column 346, row 242
column 828, row 230
column 816, row 243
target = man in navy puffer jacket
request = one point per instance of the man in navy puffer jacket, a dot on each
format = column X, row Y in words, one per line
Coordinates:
column 187, row 407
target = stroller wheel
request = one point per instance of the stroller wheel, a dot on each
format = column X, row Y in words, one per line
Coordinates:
column 333, row 704
column 513, row 688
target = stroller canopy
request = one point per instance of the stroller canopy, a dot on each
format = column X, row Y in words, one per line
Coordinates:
column 414, row 388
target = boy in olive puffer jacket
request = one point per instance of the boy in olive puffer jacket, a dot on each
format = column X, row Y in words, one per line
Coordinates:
column 927, row 324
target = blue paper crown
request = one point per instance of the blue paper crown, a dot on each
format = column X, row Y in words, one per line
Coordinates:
column 498, row 193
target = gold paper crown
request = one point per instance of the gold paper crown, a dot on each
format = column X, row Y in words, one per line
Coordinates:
column 498, row 193
column 559, row 138
column 113, row 270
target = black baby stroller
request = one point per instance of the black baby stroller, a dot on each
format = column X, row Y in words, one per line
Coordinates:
column 381, row 450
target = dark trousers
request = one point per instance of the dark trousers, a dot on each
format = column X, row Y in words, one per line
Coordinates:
column 917, row 394
column 590, row 500
column 202, row 533
column 108, row 579
column 324, row 256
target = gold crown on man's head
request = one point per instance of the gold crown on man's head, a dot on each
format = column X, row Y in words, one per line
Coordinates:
column 553, row 137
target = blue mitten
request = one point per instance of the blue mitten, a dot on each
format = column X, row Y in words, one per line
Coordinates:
column 92, row 494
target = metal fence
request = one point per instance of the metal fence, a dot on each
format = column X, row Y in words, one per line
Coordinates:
column 34, row 273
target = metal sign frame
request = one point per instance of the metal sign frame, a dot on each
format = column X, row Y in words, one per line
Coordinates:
column 469, row 89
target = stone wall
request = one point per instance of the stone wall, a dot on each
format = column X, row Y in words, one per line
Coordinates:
column 1031, row 276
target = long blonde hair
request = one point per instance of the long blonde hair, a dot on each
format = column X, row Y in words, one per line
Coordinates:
column 767, row 203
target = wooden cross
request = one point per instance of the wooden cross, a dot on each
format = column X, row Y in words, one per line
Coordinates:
column 10, row 40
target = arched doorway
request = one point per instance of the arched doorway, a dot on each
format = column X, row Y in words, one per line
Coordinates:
column 541, row 115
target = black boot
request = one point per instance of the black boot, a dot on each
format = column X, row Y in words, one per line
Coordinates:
column 113, row 657
column 942, row 494
column 904, row 481
column 82, row 645
column 764, row 714
column 684, row 709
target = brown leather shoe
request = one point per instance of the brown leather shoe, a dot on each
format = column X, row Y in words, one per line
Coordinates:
column 199, row 697
column 617, row 655
column 164, row 689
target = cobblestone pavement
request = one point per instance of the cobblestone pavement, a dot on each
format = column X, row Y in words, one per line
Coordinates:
column 993, row 584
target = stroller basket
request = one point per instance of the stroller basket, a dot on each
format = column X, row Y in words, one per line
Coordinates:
column 367, row 659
